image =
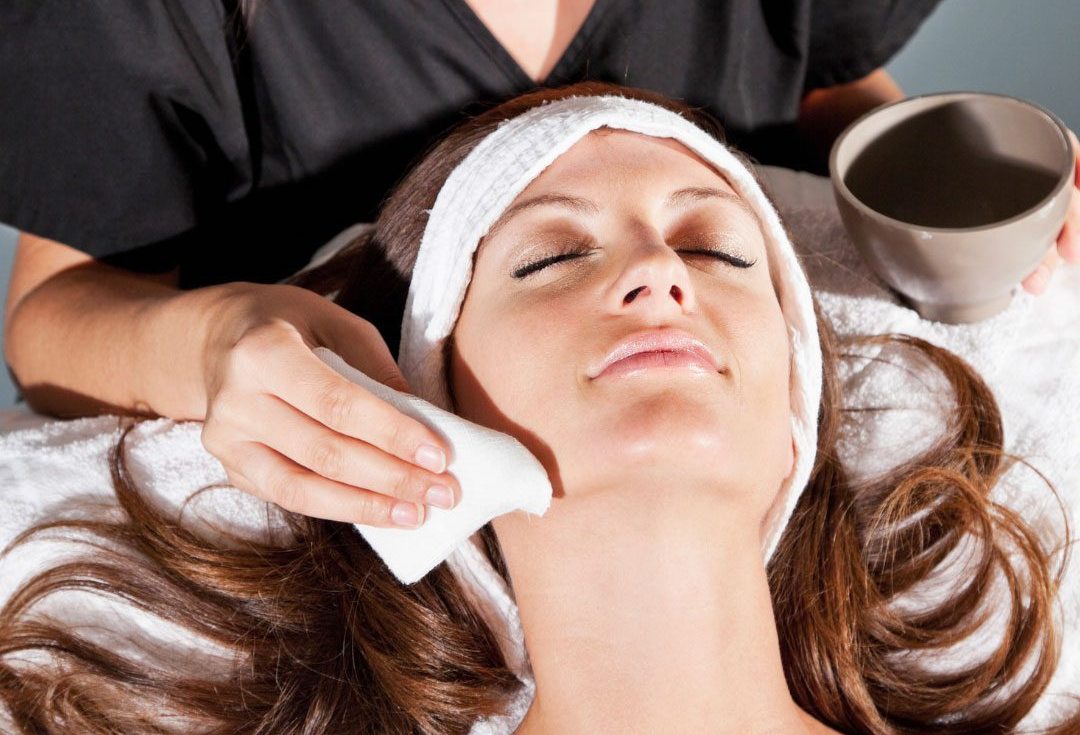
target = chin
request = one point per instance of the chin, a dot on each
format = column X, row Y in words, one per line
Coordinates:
column 675, row 428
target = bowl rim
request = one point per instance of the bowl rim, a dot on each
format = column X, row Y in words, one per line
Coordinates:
column 1066, row 177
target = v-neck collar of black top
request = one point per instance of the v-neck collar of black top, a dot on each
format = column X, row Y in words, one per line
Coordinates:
column 564, row 67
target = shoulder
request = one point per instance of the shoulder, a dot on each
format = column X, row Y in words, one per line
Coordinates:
column 114, row 47
column 849, row 40
column 116, row 116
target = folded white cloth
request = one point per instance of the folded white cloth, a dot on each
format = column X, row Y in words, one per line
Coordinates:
column 1029, row 354
column 496, row 472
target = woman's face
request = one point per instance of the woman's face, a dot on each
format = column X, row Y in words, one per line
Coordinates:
column 626, row 235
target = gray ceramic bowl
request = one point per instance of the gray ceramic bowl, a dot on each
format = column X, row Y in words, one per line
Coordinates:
column 954, row 198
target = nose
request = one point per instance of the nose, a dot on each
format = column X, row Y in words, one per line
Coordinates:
column 654, row 279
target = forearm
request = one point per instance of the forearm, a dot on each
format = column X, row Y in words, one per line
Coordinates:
column 95, row 339
column 824, row 113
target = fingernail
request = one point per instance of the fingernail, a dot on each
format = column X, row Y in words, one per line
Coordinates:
column 431, row 459
column 439, row 496
column 405, row 514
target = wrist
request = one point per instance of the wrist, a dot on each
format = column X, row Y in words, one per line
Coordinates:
column 185, row 328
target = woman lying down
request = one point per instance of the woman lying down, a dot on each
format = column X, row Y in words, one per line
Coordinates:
column 706, row 565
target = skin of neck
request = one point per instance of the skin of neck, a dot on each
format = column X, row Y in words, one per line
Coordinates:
column 646, row 608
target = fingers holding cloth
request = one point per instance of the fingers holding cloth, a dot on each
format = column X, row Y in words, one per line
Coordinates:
column 291, row 430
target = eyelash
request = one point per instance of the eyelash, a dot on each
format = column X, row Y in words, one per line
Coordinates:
column 543, row 262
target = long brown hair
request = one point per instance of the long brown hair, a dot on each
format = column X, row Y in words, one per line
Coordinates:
column 325, row 640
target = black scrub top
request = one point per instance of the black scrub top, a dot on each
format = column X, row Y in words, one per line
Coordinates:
column 175, row 133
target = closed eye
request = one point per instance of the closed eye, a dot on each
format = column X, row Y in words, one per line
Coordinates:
column 544, row 262
column 722, row 255
column 548, row 260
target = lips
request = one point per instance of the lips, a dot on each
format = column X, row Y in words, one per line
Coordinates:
column 655, row 348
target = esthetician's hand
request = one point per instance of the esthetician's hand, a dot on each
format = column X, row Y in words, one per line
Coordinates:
column 291, row 430
column 1068, row 241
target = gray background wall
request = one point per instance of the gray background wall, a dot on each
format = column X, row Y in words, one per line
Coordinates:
column 1021, row 47
column 1026, row 48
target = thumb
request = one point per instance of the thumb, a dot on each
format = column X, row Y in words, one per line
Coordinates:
column 359, row 343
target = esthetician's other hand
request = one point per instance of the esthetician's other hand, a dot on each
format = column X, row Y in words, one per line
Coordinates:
column 291, row 430
column 1068, row 241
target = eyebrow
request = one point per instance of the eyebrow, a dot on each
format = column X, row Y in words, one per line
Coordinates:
column 690, row 194
column 577, row 205
column 677, row 199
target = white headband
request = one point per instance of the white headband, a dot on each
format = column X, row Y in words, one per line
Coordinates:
column 484, row 184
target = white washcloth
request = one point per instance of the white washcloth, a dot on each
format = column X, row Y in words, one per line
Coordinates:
column 496, row 472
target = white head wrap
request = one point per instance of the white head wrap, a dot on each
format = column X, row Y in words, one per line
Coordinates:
column 499, row 168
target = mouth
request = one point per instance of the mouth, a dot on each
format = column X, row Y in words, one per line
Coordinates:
column 652, row 349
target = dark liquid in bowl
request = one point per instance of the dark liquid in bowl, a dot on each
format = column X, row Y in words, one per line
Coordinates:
column 937, row 170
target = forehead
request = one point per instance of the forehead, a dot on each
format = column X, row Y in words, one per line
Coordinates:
column 607, row 153
column 608, row 161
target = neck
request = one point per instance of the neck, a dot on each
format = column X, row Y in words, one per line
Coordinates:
column 647, row 610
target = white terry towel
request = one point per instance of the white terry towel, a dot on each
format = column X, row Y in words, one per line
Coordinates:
column 1029, row 354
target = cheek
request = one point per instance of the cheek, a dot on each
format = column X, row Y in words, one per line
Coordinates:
column 506, row 364
column 767, row 396
column 510, row 374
